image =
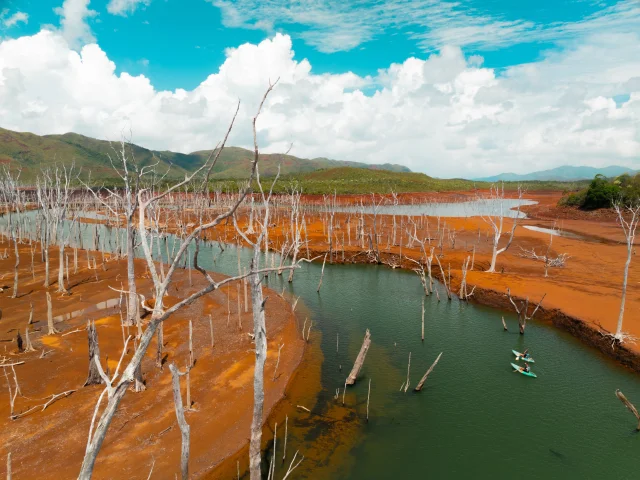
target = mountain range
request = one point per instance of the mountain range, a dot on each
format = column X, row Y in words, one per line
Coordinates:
column 32, row 151
column 565, row 173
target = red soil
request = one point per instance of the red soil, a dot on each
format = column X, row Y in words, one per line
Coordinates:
column 51, row 443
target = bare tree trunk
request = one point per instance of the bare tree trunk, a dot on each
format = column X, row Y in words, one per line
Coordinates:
column 322, row 273
column 15, row 269
column 132, row 316
column 61, row 288
column 260, row 338
column 160, row 345
column 46, row 265
column 51, row 328
column 424, row 378
column 94, row 377
column 182, row 423
column 29, row 346
column 351, row 379
column 623, row 295
column 629, row 406
column 423, row 319
column 406, row 386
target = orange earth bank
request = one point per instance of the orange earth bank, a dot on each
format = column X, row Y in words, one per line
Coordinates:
column 50, row 443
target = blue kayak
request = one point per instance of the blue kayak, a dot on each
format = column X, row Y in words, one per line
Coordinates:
column 520, row 356
column 521, row 370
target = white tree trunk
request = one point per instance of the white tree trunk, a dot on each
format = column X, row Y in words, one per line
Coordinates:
column 260, row 333
column 624, row 288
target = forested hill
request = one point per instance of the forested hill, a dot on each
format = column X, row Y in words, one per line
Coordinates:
column 32, row 151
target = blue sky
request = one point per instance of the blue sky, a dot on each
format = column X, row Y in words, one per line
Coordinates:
column 481, row 86
column 177, row 43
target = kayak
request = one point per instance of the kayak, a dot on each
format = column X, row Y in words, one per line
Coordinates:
column 521, row 370
column 520, row 357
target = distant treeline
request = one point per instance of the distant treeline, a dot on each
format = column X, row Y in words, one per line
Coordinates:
column 603, row 192
column 350, row 180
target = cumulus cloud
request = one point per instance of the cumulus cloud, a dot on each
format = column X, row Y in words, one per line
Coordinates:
column 14, row 19
column 124, row 7
column 73, row 22
column 444, row 115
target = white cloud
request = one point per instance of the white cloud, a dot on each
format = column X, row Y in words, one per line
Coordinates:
column 14, row 19
column 444, row 115
column 336, row 25
column 73, row 22
column 124, row 7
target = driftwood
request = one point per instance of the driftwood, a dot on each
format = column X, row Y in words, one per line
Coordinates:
column 629, row 406
column 424, row 379
column 351, row 379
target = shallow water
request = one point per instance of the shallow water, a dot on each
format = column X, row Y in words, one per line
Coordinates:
column 473, row 208
column 554, row 232
column 475, row 417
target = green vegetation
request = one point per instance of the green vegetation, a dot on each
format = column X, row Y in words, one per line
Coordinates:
column 602, row 192
column 31, row 151
column 347, row 180
column 315, row 176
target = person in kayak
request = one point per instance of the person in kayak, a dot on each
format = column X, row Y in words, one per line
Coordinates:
column 525, row 354
column 526, row 368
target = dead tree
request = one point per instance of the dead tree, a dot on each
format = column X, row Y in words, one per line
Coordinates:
column 148, row 199
column 132, row 175
column 424, row 378
column 351, row 379
column 182, row 422
column 496, row 220
column 447, row 286
column 629, row 229
column 52, row 330
column 549, row 261
column 94, row 377
column 523, row 309
column 53, row 189
column 11, row 193
column 464, row 295
column 629, row 406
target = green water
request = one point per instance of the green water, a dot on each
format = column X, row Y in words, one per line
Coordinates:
column 475, row 417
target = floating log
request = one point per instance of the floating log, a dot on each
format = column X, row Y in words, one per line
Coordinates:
column 424, row 379
column 351, row 379
column 629, row 406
